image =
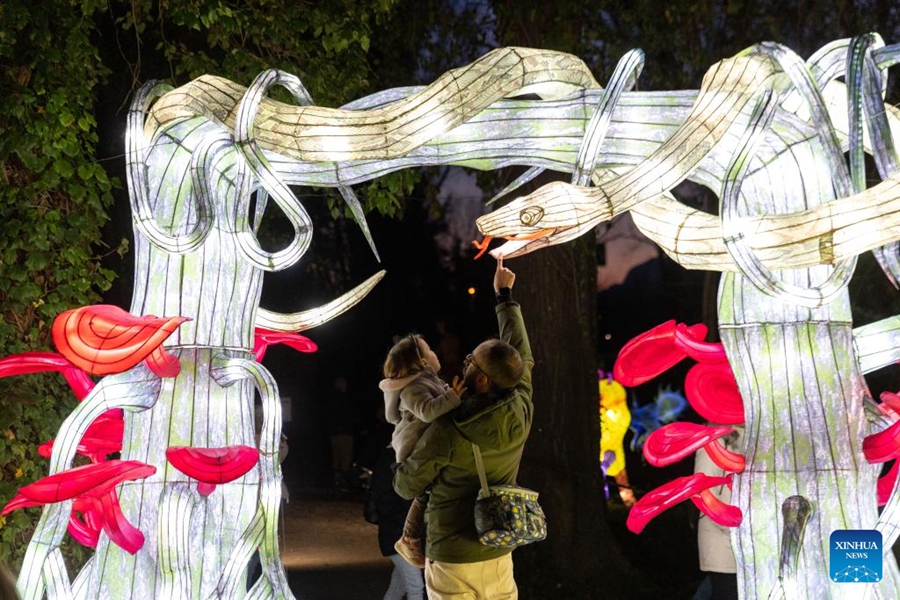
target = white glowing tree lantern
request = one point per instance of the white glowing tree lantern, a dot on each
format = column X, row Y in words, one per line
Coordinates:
column 766, row 130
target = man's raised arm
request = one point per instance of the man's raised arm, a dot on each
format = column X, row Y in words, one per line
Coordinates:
column 509, row 317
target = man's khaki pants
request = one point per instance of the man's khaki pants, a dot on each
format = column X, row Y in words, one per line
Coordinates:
column 490, row 579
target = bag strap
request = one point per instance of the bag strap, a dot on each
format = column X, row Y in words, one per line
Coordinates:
column 479, row 464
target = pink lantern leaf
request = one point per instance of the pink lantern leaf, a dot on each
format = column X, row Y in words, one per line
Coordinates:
column 690, row 340
column 668, row 495
column 648, row 355
column 90, row 511
column 120, row 531
column 724, row 514
column 93, row 491
column 725, row 458
column 82, row 534
column 263, row 338
column 103, row 437
column 40, row 362
column 882, row 446
column 205, row 489
column 163, row 364
column 886, row 484
column 19, row 501
column 892, row 402
column 109, row 426
column 213, row 465
column 104, row 339
column 94, row 480
column 675, row 441
column 95, row 449
column 712, row 391
column 85, row 530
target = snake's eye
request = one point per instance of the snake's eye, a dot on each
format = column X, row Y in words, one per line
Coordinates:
column 531, row 215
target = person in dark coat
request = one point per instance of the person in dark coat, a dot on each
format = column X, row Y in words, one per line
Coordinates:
column 389, row 510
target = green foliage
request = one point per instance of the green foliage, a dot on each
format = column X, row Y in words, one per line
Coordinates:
column 383, row 195
column 56, row 62
column 33, row 407
column 326, row 44
column 53, row 201
column 683, row 38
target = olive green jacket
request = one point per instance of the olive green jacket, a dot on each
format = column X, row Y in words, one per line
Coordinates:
column 443, row 460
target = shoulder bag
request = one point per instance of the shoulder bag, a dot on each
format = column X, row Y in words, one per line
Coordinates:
column 506, row 516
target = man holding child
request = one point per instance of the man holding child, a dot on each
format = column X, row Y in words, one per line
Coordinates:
column 496, row 414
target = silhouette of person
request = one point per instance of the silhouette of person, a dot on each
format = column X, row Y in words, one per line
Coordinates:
column 340, row 434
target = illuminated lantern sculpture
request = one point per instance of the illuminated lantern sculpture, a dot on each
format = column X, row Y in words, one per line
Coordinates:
column 213, row 466
column 766, row 131
column 645, row 419
column 614, row 421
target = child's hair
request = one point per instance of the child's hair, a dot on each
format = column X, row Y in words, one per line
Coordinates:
column 404, row 358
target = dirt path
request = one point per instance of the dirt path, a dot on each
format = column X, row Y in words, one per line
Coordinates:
column 330, row 552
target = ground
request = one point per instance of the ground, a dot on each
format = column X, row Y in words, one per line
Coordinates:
column 330, row 551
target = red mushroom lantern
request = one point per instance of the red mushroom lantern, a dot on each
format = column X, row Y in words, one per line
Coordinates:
column 103, row 339
column 676, row 441
column 696, row 487
column 213, row 466
column 93, row 489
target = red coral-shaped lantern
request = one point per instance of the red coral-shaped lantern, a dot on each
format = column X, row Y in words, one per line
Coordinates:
column 712, row 391
column 886, row 484
column 103, row 437
column 690, row 341
column 85, row 529
column 883, row 446
column 104, row 339
column 650, row 354
column 213, row 466
column 710, row 386
column 263, row 338
column 696, row 487
column 676, row 441
column 26, row 363
column 93, row 489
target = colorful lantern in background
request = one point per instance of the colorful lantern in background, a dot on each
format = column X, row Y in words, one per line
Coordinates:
column 614, row 422
column 645, row 419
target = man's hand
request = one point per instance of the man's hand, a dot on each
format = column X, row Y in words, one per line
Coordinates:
column 503, row 277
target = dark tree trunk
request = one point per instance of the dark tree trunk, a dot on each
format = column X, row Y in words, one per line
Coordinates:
column 557, row 290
